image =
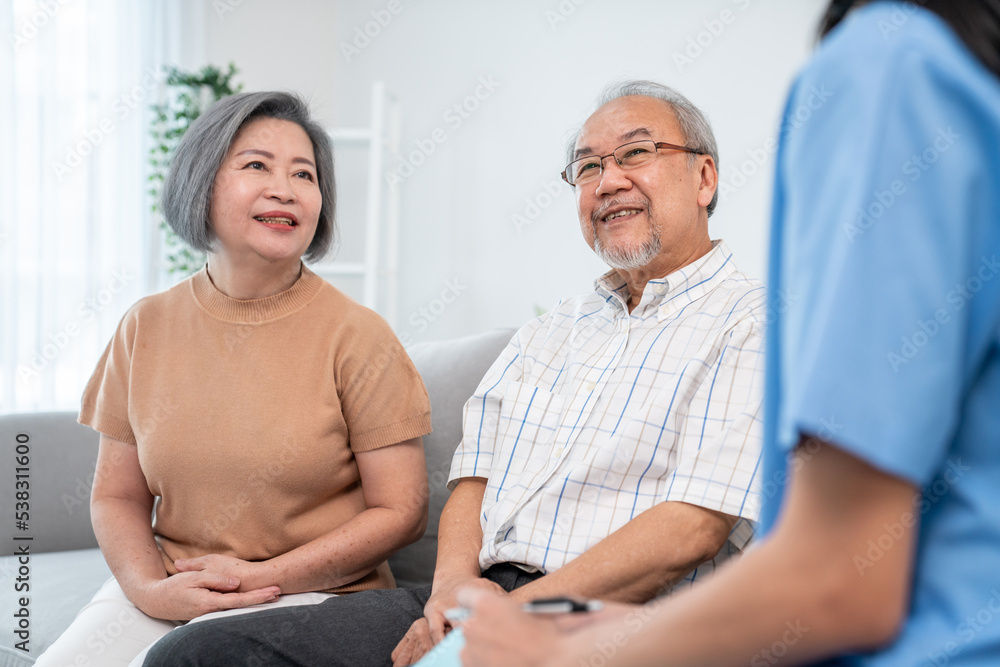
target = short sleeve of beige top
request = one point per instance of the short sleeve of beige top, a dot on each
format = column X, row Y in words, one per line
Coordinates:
column 247, row 414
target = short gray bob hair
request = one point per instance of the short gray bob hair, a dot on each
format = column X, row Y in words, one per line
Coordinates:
column 187, row 192
column 695, row 126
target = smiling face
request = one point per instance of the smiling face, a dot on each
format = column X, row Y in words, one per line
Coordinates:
column 266, row 199
column 654, row 217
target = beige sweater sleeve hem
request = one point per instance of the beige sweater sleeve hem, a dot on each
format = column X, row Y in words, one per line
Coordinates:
column 109, row 425
column 391, row 434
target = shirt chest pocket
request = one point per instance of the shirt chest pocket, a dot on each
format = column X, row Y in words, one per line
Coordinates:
column 529, row 419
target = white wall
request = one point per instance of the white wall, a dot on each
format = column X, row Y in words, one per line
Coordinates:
column 549, row 60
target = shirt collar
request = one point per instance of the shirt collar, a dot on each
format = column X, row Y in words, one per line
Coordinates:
column 678, row 289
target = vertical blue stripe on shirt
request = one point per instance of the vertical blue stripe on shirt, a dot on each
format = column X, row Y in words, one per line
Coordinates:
column 513, row 449
column 482, row 416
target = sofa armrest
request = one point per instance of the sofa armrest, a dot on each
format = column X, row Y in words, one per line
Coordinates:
column 55, row 484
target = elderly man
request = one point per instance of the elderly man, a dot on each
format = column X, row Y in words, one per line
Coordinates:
column 611, row 451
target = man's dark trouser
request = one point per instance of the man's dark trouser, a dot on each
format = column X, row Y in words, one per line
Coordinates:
column 355, row 630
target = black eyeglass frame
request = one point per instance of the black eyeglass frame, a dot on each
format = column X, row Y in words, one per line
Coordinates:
column 601, row 158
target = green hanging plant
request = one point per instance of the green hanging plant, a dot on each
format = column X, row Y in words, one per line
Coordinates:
column 188, row 94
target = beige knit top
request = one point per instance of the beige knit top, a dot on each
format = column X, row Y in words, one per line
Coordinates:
column 247, row 414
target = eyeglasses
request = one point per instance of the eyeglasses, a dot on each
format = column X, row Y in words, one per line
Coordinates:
column 628, row 156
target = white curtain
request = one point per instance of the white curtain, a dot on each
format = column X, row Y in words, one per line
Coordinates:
column 77, row 243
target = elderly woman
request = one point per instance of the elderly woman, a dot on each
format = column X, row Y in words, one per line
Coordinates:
column 270, row 425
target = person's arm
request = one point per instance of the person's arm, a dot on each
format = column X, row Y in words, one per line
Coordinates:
column 459, row 542
column 460, row 539
column 813, row 588
column 651, row 552
column 120, row 510
column 394, row 483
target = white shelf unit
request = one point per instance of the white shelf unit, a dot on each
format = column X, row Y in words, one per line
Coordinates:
column 379, row 266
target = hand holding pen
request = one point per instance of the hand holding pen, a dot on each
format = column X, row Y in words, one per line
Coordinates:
column 555, row 605
column 490, row 621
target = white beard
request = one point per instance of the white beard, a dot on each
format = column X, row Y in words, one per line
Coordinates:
column 629, row 257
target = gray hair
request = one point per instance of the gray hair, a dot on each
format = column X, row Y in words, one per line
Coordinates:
column 694, row 125
column 187, row 192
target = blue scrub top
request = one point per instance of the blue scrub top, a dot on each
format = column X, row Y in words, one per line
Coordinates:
column 884, row 333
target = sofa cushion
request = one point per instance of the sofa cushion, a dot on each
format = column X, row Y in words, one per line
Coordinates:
column 61, row 583
column 451, row 370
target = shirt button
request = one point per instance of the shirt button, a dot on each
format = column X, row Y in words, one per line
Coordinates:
column 559, row 451
column 590, row 386
column 659, row 289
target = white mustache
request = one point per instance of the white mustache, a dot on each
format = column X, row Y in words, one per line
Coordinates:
column 638, row 202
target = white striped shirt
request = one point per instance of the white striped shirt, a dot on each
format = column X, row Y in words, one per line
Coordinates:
column 592, row 415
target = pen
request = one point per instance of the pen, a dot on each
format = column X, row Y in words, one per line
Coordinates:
column 558, row 605
column 561, row 605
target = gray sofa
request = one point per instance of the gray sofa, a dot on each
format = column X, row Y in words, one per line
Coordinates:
column 65, row 568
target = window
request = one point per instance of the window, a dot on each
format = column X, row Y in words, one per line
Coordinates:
column 78, row 78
